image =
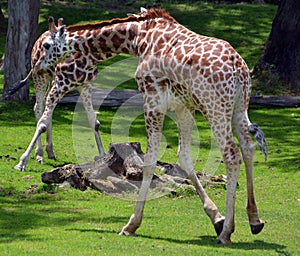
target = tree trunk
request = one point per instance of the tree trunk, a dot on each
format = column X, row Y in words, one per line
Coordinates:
column 3, row 24
column 279, row 64
column 21, row 35
column 3, row 31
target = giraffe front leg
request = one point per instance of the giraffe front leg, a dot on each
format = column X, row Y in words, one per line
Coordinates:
column 136, row 218
column 21, row 166
column 41, row 126
column 154, row 123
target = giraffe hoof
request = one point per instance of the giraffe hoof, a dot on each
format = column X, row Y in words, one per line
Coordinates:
column 255, row 229
column 39, row 159
column 19, row 167
column 52, row 157
column 224, row 241
column 126, row 233
column 219, row 226
column 96, row 158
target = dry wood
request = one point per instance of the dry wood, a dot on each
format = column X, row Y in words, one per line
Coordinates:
column 121, row 171
column 115, row 98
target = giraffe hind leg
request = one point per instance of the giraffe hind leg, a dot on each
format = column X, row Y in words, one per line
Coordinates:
column 221, row 126
column 185, row 122
column 38, row 110
column 49, row 143
column 86, row 96
column 240, row 122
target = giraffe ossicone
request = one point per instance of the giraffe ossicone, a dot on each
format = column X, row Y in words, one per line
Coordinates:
column 182, row 71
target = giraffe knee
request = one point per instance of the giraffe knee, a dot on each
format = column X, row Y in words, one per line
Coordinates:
column 42, row 128
column 233, row 157
column 182, row 158
column 185, row 162
column 248, row 151
column 97, row 125
column 252, row 147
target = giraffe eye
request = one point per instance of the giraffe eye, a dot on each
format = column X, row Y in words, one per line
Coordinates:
column 46, row 46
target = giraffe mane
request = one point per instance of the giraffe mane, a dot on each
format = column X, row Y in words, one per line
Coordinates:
column 151, row 14
column 158, row 13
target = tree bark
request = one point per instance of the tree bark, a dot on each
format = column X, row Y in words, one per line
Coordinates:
column 280, row 61
column 21, row 35
column 3, row 23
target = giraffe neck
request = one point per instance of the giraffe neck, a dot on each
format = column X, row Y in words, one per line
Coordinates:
column 129, row 35
column 115, row 39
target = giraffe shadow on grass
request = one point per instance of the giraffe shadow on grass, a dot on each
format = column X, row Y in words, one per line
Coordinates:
column 204, row 241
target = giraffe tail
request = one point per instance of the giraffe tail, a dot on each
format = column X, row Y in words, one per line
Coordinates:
column 17, row 86
column 260, row 138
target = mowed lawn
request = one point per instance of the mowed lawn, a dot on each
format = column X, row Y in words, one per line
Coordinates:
column 38, row 219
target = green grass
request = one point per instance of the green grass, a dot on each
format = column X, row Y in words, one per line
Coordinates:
column 66, row 221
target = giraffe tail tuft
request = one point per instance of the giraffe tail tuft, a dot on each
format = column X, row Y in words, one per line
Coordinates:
column 260, row 138
column 17, row 86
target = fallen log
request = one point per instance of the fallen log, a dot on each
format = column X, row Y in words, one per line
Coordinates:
column 275, row 101
column 115, row 98
column 109, row 98
column 120, row 172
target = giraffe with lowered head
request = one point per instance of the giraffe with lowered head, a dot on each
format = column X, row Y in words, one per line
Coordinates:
column 74, row 73
column 182, row 71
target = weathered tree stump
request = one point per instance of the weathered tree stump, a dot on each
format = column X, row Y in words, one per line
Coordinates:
column 120, row 171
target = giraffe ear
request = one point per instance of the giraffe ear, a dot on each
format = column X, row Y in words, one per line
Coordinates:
column 62, row 30
column 50, row 19
column 60, row 21
column 52, row 26
column 143, row 10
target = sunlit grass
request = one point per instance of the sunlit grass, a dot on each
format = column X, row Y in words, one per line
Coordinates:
column 35, row 222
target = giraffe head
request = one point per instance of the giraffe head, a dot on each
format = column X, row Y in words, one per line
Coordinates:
column 49, row 45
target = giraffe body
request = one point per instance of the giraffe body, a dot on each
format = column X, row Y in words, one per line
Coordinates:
column 77, row 72
column 181, row 71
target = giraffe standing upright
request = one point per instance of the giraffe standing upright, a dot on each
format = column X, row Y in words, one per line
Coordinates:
column 181, row 71
column 75, row 73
